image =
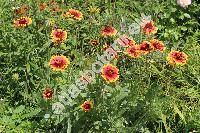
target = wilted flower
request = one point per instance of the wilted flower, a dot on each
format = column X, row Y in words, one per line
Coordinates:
column 150, row 28
column 110, row 73
column 22, row 9
column 55, row 9
column 53, row 2
column 58, row 35
column 59, row 63
column 94, row 42
column 177, row 58
column 22, row 22
column 106, row 46
column 42, row 6
column 47, row 93
column 75, row 14
column 108, row 31
column 184, row 3
column 145, row 47
column 116, row 57
column 133, row 51
column 157, row 45
column 87, row 106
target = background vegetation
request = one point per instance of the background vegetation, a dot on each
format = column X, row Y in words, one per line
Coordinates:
column 150, row 95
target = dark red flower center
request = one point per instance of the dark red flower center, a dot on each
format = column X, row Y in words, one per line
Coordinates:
column 129, row 41
column 59, row 63
column 149, row 26
column 48, row 94
column 108, row 29
column 145, row 47
column 132, row 50
column 156, row 45
column 178, row 56
column 75, row 14
column 110, row 72
column 59, row 34
column 87, row 106
column 23, row 21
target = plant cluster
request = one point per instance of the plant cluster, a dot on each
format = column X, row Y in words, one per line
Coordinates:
column 151, row 84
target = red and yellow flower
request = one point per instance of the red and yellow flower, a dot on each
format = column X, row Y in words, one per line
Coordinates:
column 125, row 41
column 157, row 45
column 75, row 14
column 145, row 47
column 110, row 73
column 87, row 106
column 47, row 93
column 149, row 28
column 133, row 51
column 22, row 22
column 58, row 35
column 59, row 62
column 177, row 58
column 23, row 9
column 131, row 42
column 108, row 31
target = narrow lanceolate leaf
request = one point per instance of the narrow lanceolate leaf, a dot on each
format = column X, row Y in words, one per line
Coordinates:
column 163, row 117
column 28, row 67
column 176, row 110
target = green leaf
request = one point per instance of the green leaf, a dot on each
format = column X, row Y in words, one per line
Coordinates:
column 28, row 67
column 19, row 109
column 187, row 15
column 179, row 113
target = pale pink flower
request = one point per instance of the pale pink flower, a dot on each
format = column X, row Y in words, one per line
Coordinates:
column 184, row 3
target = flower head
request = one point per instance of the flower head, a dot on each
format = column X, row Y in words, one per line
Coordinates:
column 133, row 51
column 145, row 47
column 47, row 93
column 75, row 14
column 149, row 28
column 110, row 73
column 58, row 35
column 126, row 41
column 55, row 9
column 23, row 9
column 108, row 31
column 22, row 22
column 106, row 46
column 94, row 42
column 131, row 42
column 177, row 58
column 157, row 45
column 59, row 63
column 42, row 6
column 87, row 106
column 184, row 3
